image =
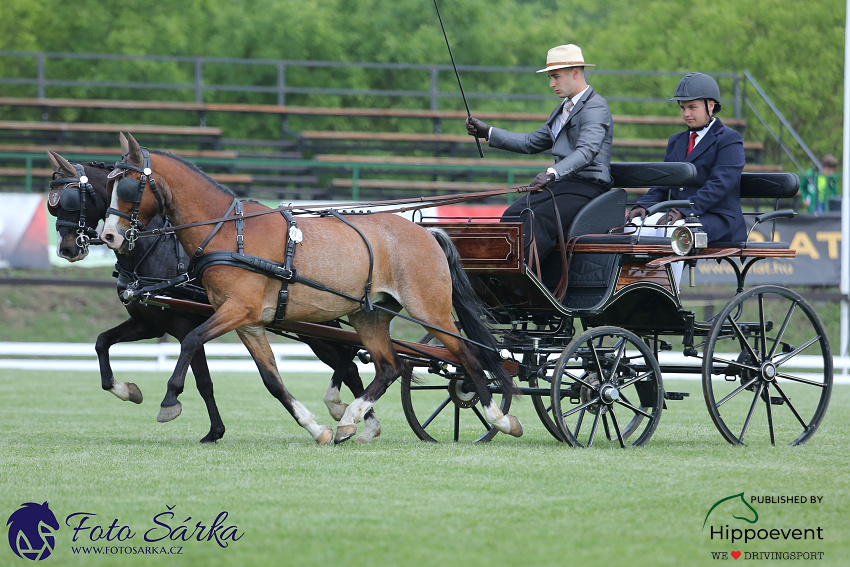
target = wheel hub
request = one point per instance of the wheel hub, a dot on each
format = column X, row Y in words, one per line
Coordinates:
column 768, row 371
column 609, row 394
column 460, row 395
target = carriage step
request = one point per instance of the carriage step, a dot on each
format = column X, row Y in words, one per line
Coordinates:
column 676, row 395
column 776, row 401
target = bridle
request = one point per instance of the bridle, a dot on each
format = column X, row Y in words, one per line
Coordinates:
column 70, row 193
column 131, row 190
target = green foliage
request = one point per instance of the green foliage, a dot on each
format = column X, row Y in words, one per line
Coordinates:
column 793, row 49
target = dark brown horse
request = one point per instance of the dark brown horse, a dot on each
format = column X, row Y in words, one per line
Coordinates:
column 78, row 207
column 367, row 270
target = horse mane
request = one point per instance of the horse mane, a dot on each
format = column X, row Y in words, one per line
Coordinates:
column 196, row 169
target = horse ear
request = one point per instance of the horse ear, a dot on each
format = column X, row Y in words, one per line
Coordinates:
column 65, row 166
column 125, row 146
column 134, row 152
column 53, row 161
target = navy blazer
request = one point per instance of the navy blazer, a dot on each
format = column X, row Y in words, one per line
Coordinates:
column 719, row 159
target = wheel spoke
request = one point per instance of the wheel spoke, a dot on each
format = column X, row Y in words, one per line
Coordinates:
column 577, row 379
column 769, row 416
column 437, row 411
column 581, row 407
column 762, row 326
column 782, row 329
column 596, row 359
column 800, row 380
column 637, row 410
column 742, row 338
column 750, row 413
column 457, row 423
column 617, row 427
column 735, row 392
column 481, row 417
column 605, row 427
column 735, row 363
column 426, row 387
column 628, row 383
column 594, row 428
column 790, row 405
column 797, row 351
column 578, row 423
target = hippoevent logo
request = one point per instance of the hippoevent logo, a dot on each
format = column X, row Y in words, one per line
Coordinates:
column 733, row 524
column 31, row 530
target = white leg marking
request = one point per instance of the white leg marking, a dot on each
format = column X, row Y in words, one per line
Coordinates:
column 494, row 415
column 354, row 414
column 307, row 420
column 335, row 405
column 372, row 430
column 121, row 390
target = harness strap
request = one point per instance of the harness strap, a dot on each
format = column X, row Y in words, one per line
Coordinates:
column 235, row 205
column 293, row 236
column 367, row 299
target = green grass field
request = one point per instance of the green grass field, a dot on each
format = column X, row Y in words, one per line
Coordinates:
column 518, row 502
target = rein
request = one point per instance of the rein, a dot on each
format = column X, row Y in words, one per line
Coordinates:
column 423, row 202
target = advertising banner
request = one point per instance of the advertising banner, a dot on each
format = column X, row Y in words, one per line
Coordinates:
column 23, row 231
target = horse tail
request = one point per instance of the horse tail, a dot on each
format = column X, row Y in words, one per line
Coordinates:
column 471, row 312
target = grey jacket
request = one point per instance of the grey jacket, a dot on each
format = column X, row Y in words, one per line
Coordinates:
column 582, row 149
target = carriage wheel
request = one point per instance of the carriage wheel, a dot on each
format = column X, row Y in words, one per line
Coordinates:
column 442, row 408
column 767, row 368
column 607, row 389
column 543, row 406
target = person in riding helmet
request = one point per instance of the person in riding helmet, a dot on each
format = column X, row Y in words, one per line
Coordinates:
column 718, row 154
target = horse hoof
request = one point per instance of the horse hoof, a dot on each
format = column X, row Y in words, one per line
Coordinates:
column 369, row 433
column 167, row 413
column 212, row 437
column 325, row 437
column 135, row 395
column 516, row 427
column 344, row 432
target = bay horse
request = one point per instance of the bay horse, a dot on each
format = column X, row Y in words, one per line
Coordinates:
column 366, row 267
column 78, row 207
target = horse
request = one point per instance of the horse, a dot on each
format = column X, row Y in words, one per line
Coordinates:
column 78, row 207
column 366, row 267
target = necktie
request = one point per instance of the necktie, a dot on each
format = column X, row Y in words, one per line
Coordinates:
column 691, row 142
column 568, row 104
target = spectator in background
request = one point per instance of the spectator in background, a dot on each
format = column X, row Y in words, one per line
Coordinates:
column 818, row 188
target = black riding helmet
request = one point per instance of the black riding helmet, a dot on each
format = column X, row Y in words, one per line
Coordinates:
column 694, row 86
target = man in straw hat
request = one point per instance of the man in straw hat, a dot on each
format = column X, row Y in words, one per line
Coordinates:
column 579, row 133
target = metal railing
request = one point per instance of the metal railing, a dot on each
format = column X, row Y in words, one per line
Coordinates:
column 396, row 85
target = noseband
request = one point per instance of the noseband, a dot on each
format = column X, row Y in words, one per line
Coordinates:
column 70, row 193
column 131, row 190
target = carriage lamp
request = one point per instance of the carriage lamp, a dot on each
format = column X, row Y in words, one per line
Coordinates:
column 688, row 237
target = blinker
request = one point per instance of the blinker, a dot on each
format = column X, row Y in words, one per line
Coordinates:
column 128, row 190
column 69, row 198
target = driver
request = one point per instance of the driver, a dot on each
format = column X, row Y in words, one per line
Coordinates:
column 718, row 154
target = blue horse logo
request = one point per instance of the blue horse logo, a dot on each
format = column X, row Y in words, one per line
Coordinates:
column 734, row 499
column 31, row 530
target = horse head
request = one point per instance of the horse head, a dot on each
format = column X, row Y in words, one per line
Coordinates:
column 132, row 205
column 78, row 198
column 31, row 530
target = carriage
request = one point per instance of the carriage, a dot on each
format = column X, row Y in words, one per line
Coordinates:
column 592, row 357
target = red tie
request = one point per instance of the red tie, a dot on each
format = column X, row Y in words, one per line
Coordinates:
column 691, row 143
